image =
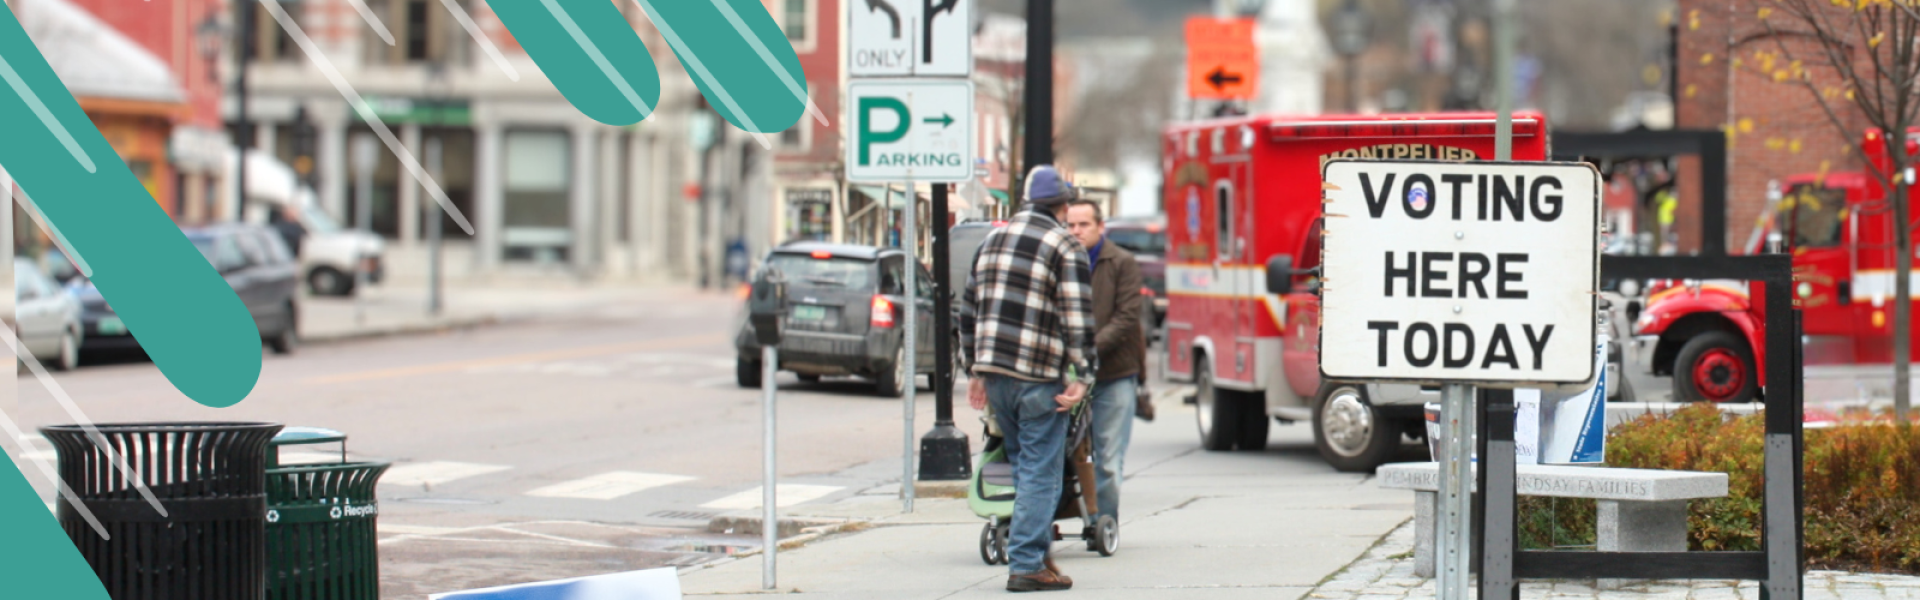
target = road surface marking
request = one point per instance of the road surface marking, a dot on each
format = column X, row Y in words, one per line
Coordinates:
column 607, row 486
column 788, row 495
column 436, row 472
column 519, row 359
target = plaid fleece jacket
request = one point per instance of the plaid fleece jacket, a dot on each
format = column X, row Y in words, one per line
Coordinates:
column 1028, row 311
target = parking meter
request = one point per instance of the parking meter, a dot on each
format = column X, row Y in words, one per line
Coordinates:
column 766, row 305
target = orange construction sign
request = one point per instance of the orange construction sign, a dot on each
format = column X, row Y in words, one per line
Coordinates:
column 1222, row 61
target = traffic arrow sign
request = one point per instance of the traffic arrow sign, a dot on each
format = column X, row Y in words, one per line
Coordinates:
column 945, row 120
column 1222, row 61
column 909, row 37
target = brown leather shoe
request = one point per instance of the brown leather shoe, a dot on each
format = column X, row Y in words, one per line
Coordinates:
column 1044, row 581
column 1055, row 569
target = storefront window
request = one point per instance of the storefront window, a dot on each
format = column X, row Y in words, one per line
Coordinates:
column 809, row 214
column 536, row 219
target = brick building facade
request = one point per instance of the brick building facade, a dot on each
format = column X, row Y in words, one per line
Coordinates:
column 1736, row 74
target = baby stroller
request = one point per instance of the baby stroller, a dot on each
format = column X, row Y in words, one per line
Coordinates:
column 991, row 492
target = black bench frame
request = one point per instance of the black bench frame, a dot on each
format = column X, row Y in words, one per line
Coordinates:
column 1779, row 566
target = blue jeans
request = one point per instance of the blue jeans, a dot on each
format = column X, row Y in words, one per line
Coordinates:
column 1036, row 443
column 1113, row 406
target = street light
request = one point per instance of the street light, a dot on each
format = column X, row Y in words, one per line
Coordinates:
column 1352, row 33
column 209, row 35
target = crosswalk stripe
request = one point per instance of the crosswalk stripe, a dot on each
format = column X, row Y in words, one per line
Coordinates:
column 607, row 486
column 436, row 472
column 787, row 494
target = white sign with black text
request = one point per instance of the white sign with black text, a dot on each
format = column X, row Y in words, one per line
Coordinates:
column 1443, row 272
column 891, row 38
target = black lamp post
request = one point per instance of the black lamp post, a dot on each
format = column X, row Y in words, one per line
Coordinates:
column 244, row 133
column 1352, row 33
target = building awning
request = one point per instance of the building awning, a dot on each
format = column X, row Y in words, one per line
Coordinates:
column 896, row 197
column 92, row 58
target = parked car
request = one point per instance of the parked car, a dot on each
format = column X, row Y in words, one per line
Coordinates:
column 253, row 259
column 331, row 257
column 846, row 316
column 46, row 319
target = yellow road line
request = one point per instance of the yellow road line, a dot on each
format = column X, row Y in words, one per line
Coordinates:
column 517, row 359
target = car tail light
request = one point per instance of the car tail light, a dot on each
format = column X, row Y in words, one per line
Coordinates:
column 1146, row 291
column 746, row 289
column 882, row 312
column 822, row 254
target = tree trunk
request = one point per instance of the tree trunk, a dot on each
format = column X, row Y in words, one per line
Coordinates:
column 1902, row 268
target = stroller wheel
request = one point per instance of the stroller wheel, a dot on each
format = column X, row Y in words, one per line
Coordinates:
column 990, row 549
column 1106, row 536
column 1000, row 542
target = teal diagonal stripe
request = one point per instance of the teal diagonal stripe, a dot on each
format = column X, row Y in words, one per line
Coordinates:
column 184, row 314
column 37, row 560
column 738, row 57
column 590, row 53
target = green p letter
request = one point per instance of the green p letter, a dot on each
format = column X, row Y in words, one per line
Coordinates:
column 869, row 137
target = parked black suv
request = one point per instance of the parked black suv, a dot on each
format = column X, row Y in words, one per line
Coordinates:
column 847, row 316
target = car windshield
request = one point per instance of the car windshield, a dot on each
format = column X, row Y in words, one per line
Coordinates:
column 837, row 272
column 319, row 222
column 1139, row 241
column 206, row 244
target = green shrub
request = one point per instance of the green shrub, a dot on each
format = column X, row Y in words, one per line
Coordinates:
column 1862, row 488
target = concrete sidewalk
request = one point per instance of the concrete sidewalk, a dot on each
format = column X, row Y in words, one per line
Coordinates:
column 1195, row 524
column 382, row 311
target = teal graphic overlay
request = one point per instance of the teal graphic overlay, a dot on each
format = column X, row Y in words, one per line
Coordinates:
column 36, row 558
column 185, row 315
column 590, row 53
column 734, row 52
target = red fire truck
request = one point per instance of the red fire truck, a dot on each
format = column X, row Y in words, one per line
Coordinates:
column 1242, row 198
column 1707, row 334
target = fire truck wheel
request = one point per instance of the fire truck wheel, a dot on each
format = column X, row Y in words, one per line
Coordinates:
column 1217, row 411
column 1253, row 422
column 1715, row 366
column 1347, row 430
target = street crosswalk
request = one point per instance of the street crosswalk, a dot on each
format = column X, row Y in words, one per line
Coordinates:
column 608, row 486
column 433, row 473
column 785, row 495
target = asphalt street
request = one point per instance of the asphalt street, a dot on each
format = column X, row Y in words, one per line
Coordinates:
column 598, row 441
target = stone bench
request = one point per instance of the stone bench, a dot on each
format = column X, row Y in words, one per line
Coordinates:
column 1641, row 510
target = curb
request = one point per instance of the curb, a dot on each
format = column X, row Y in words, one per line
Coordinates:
column 940, row 489
column 793, row 533
column 445, row 326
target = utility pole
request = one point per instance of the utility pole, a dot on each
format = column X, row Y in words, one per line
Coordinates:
column 244, row 135
column 1039, row 88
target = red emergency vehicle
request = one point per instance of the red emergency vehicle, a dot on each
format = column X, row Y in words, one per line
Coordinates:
column 1242, row 197
column 1708, row 334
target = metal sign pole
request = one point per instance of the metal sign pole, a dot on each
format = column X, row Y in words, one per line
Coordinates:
column 1456, row 488
column 434, row 159
column 769, row 518
column 907, row 238
column 365, row 159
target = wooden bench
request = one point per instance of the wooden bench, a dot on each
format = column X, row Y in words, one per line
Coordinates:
column 1641, row 510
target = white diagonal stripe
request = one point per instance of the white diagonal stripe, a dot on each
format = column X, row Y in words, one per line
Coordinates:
column 372, row 20
column 608, row 486
column 480, row 37
column 434, row 473
column 366, row 112
column 39, row 460
column 787, row 494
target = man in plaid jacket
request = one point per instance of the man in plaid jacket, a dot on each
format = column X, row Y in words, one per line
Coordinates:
column 1026, row 336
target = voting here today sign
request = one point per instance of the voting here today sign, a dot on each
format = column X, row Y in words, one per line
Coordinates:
column 1451, row 272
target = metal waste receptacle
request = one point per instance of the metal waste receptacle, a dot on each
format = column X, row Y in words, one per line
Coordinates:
column 208, row 477
column 321, row 540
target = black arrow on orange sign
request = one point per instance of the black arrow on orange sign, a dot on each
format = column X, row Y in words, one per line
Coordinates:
column 1220, row 78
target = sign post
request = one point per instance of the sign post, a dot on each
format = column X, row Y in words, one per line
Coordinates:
column 914, row 126
column 1465, row 275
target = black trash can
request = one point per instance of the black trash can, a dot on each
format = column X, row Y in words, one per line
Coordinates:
column 210, row 478
column 322, row 543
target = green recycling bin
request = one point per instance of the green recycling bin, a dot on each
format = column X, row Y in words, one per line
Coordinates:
column 321, row 540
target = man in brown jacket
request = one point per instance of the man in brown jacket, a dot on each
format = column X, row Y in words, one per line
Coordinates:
column 1121, row 347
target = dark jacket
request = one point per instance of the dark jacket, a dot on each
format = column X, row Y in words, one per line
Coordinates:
column 1116, row 313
